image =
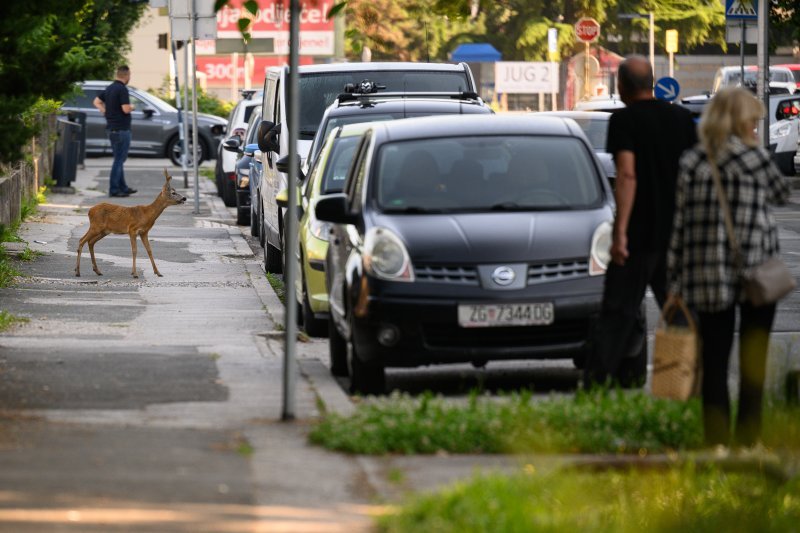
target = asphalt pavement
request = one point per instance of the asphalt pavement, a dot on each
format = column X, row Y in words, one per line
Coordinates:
column 154, row 404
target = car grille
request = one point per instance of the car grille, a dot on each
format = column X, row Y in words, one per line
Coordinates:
column 447, row 274
column 561, row 332
column 549, row 272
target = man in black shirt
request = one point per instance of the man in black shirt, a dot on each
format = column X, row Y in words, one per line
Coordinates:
column 115, row 104
column 646, row 138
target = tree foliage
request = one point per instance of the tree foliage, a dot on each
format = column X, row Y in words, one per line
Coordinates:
column 518, row 28
column 47, row 46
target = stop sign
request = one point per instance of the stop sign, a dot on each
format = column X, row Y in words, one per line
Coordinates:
column 587, row 30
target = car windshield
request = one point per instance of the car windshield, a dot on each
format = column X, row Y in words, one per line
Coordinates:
column 595, row 129
column 486, row 173
column 319, row 90
column 339, row 160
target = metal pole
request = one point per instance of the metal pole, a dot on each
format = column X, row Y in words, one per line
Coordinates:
column 671, row 65
column 742, row 42
column 586, row 58
column 290, row 227
column 185, row 127
column 652, row 44
column 554, row 86
column 195, row 162
column 763, row 67
column 181, row 114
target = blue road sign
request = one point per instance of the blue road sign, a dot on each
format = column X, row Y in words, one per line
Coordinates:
column 667, row 89
column 741, row 9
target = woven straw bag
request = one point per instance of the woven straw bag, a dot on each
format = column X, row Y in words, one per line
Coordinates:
column 676, row 369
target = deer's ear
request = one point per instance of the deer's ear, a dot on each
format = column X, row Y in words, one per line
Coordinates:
column 166, row 175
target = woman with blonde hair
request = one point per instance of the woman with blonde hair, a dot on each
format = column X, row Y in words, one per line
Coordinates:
column 702, row 267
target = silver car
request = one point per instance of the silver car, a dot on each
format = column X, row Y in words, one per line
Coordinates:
column 154, row 125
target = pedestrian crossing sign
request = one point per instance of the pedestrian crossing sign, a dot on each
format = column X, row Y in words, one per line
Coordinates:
column 741, row 9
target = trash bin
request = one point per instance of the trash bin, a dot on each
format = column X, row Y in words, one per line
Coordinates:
column 80, row 118
column 65, row 160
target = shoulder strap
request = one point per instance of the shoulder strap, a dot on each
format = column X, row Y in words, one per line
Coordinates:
column 726, row 213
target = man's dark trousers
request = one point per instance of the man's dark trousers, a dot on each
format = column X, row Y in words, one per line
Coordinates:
column 621, row 328
column 120, row 143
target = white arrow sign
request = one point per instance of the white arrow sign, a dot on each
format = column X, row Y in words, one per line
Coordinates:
column 669, row 90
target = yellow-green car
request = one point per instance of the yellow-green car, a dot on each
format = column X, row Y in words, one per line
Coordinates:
column 326, row 176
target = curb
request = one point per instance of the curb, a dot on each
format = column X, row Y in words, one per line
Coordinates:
column 326, row 388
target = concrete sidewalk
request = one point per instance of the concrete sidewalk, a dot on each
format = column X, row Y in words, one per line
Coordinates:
column 153, row 404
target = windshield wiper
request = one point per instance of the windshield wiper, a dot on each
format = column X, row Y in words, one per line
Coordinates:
column 507, row 206
column 412, row 210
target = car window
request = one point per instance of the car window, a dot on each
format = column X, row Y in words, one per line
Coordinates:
column 252, row 128
column 83, row 99
column 596, row 130
column 339, row 160
column 319, row 90
column 137, row 103
column 336, row 122
column 248, row 111
column 356, row 172
column 268, row 112
column 483, row 173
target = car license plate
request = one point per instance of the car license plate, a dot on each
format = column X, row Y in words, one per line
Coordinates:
column 499, row 315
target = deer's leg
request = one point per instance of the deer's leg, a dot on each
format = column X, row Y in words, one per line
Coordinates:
column 133, row 253
column 80, row 247
column 92, row 241
column 146, row 243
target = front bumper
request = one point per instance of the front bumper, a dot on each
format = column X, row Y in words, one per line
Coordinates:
column 430, row 333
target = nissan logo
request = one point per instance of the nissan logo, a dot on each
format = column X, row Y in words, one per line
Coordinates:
column 503, row 276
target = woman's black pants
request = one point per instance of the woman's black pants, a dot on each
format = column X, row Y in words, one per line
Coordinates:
column 716, row 331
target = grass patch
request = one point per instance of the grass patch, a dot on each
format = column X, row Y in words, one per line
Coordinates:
column 10, row 234
column 7, row 270
column 7, row 320
column 208, row 173
column 686, row 499
column 29, row 255
column 277, row 285
column 590, row 422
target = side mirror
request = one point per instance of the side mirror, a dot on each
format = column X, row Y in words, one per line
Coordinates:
column 268, row 133
column 148, row 112
column 250, row 149
column 282, row 165
column 232, row 144
column 333, row 208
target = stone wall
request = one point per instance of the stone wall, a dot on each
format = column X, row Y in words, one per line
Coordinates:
column 20, row 181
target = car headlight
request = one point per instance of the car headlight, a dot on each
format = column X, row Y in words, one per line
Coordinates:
column 779, row 131
column 600, row 253
column 386, row 257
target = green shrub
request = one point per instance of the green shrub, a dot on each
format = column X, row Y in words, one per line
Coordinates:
column 206, row 103
column 687, row 499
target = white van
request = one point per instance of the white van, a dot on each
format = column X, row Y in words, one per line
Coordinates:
column 781, row 79
column 319, row 87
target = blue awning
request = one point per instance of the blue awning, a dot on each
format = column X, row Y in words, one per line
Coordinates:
column 476, row 53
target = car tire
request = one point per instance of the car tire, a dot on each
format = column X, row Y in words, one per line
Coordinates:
column 272, row 259
column 173, row 151
column 337, row 351
column 228, row 192
column 253, row 221
column 313, row 326
column 262, row 233
column 365, row 378
column 242, row 212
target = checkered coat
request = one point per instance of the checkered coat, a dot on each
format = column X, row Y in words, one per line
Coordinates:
column 700, row 260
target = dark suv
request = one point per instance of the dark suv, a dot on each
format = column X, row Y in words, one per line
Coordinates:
column 465, row 239
column 154, row 125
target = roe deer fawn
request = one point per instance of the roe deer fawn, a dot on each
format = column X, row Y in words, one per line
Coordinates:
column 137, row 220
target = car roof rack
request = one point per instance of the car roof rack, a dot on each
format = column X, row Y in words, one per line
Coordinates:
column 367, row 97
column 247, row 94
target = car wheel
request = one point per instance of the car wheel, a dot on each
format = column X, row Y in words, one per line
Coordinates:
column 262, row 231
column 337, row 351
column 175, row 147
column 242, row 212
column 314, row 326
column 228, row 192
column 272, row 259
column 365, row 378
column 253, row 221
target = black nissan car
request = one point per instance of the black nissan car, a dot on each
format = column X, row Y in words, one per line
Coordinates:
column 465, row 239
